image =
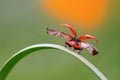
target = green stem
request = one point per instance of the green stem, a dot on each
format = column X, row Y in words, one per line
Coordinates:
column 10, row 63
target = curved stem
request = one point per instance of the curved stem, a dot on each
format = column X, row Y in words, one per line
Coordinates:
column 10, row 63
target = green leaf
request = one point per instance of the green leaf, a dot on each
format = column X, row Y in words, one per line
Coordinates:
column 12, row 61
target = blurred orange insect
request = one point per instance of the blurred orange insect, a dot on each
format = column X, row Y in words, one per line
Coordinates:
column 77, row 43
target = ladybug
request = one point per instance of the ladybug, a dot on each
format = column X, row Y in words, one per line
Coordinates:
column 78, row 43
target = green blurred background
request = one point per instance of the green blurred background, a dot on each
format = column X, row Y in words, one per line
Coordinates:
column 23, row 23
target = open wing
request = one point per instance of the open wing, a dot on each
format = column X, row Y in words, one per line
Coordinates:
column 85, row 37
column 71, row 29
column 93, row 50
column 58, row 33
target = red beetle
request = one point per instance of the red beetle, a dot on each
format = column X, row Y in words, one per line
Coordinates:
column 73, row 41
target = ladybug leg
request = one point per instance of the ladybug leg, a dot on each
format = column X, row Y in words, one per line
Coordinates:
column 65, row 45
column 72, row 49
column 80, row 51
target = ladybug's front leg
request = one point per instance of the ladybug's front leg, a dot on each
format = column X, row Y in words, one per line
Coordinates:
column 67, row 44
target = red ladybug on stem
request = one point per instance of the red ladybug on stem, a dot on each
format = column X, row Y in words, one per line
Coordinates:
column 73, row 41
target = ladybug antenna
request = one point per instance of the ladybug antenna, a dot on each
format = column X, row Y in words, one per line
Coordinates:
column 71, row 29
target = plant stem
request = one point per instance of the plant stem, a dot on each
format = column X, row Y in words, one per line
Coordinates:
column 12, row 61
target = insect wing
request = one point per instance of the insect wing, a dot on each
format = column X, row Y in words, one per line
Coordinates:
column 85, row 37
column 93, row 50
column 53, row 32
column 70, row 28
column 58, row 33
column 90, row 48
column 66, row 36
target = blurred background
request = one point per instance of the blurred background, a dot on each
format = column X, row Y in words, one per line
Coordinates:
column 24, row 22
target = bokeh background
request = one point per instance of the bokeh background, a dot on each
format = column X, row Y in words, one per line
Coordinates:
column 24, row 22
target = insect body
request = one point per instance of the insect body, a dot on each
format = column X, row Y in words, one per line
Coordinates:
column 78, row 43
